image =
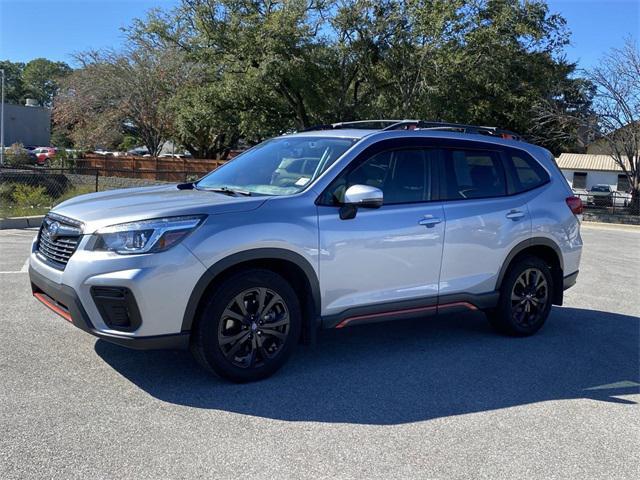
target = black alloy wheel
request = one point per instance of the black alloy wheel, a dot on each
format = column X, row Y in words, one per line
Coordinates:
column 248, row 327
column 254, row 327
column 526, row 295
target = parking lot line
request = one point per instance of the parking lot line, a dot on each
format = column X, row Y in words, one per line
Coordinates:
column 24, row 269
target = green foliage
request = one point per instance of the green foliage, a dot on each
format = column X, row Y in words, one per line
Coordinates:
column 41, row 79
column 14, row 86
column 128, row 142
column 211, row 72
column 19, row 199
column 16, row 155
column 31, row 197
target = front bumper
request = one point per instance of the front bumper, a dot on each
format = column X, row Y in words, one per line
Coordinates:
column 64, row 301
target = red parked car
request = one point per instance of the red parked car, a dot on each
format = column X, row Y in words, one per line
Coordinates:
column 44, row 155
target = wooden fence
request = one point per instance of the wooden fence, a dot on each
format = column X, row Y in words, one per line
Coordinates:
column 167, row 169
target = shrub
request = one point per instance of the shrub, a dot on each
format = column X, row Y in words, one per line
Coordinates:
column 17, row 155
column 31, row 197
column 6, row 191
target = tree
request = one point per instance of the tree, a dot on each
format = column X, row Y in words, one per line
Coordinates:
column 13, row 84
column 254, row 68
column 617, row 108
column 204, row 120
column 117, row 92
column 563, row 120
column 41, row 79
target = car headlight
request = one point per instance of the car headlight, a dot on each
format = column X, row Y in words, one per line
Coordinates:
column 147, row 236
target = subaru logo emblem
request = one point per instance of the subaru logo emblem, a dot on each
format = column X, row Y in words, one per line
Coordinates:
column 52, row 228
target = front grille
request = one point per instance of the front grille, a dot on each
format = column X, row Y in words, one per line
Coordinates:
column 58, row 239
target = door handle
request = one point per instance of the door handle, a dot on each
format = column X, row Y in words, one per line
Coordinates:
column 515, row 214
column 430, row 221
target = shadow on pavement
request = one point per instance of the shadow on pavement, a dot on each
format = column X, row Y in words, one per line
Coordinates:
column 411, row 371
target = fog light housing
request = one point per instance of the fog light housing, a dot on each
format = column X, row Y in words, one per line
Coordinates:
column 118, row 307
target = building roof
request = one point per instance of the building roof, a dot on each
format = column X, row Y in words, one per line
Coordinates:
column 584, row 161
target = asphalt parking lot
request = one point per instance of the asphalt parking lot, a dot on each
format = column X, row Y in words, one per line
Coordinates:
column 444, row 398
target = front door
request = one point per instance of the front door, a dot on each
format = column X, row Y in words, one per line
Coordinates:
column 390, row 255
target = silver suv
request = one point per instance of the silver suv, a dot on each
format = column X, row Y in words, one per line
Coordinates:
column 328, row 228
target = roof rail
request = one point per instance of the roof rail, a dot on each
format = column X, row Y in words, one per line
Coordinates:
column 358, row 124
column 388, row 125
column 455, row 127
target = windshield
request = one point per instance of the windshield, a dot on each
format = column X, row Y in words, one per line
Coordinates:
column 600, row 188
column 281, row 166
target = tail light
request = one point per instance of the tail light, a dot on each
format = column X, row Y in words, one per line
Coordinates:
column 575, row 204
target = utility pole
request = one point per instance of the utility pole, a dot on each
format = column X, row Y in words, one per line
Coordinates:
column 2, row 122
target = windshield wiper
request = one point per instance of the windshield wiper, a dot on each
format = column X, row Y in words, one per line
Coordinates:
column 229, row 191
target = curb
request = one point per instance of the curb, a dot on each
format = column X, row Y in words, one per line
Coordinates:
column 21, row 222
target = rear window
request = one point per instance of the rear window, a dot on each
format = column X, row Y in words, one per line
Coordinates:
column 474, row 174
column 525, row 172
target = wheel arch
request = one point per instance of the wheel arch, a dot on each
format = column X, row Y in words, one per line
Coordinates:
column 292, row 266
column 543, row 248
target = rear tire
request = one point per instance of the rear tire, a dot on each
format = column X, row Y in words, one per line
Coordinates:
column 248, row 327
column 526, row 295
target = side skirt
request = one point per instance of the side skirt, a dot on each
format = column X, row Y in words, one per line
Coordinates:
column 411, row 309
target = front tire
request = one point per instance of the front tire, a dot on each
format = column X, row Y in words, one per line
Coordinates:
column 525, row 300
column 248, row 327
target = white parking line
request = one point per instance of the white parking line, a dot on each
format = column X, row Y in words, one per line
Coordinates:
column 24, row 269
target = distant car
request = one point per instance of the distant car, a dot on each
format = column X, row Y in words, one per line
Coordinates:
column 138, row 151
column 584, row 195
column 173, row 155
column 44, row 155
column 606, row 196
column 102, row 151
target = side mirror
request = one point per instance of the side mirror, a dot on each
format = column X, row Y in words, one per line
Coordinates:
column 360, row 196
column 363, row 196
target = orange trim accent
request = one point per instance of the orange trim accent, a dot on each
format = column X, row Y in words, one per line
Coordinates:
column 52, row 306
column 348, row 320
column 468, row 305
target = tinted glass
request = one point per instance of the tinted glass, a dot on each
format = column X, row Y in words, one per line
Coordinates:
column 282, row 166
column 404, row 176
column 526, row 172
column 623, row 183
column 474, row 174
column 579, row 180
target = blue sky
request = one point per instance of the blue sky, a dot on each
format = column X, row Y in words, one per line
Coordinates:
column 55, row 29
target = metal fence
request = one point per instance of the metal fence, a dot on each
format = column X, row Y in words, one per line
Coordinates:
column 33, row 191
column 612, row 203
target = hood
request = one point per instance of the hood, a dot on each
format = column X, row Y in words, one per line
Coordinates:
column 97, row 210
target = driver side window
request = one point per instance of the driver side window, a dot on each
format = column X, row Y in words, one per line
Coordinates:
column 403, row 175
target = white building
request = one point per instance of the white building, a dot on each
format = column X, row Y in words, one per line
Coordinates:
column 587, row 170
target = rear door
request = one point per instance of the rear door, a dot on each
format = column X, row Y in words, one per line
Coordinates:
column 483, row 221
